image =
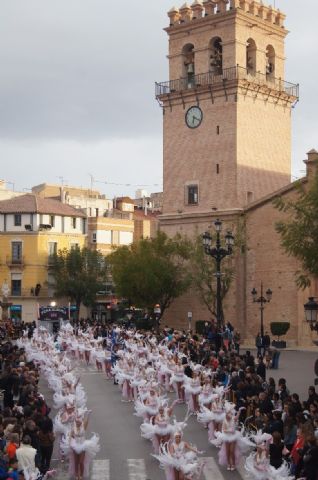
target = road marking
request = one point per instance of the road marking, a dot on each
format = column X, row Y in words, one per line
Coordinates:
column 211, row 470
column 136, row 469
column 100, row 470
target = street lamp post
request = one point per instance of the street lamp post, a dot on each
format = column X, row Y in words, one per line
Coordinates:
column 157, row 312
column 262, row 300
column 311, row 312
column 218, row 253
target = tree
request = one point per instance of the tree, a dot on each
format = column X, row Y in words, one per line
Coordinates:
column 299, row 232
column 203, row 271
column 151, row 271
column 79, row 274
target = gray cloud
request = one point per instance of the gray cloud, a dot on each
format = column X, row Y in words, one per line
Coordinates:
column 77, row 77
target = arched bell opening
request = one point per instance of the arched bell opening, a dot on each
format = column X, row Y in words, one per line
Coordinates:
column 251, row 56
column 188, row 57
column 216, row 56
column 270, row 62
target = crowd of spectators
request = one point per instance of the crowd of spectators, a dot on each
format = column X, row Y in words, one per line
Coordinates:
column 26, row 429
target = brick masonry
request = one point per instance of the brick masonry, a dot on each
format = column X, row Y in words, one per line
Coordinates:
column 239, row 156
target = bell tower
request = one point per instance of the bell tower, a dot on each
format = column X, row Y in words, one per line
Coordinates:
column 226, row 107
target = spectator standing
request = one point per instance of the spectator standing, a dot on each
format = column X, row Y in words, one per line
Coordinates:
column 259, row 344
column 266, row 342
column 276, row 450
column 261, row 368
column 26, row 455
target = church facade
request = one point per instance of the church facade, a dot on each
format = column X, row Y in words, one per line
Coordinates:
column 227, row 151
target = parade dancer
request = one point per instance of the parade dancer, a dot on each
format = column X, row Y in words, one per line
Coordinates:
column 230, row 439
column 79, row 449
column 177, row 380
column 192, row 390
column 179, row 459
column 258, row 465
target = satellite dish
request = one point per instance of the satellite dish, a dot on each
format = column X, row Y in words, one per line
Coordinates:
column 316, row 367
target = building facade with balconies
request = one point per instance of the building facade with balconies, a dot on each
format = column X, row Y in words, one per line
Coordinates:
column 32, row 229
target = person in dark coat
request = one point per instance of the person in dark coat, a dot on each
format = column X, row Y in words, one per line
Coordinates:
column 310, row 459
column 276, row 450
column 261, row 369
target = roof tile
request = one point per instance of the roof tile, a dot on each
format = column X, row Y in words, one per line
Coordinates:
column 31, row 203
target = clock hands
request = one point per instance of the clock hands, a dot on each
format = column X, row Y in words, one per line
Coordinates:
column 194, row 117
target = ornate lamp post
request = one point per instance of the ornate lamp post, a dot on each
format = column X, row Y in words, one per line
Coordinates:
column 218, row 253
column 311, row 313
column 157, row 312
column 262, row 300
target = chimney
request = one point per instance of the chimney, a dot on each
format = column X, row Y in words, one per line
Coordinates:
column 311, row 164
column 62, row 195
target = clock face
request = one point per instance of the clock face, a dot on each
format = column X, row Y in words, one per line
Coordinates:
column 194, row 117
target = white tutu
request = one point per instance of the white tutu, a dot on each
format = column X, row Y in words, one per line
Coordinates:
column 90, row 445
column 177, row 378
column 205, row 416
column 205, row 398
column 192, row 390
column 141, row 410
column 187, row 463
column 59, row 427
column 265, row 471
column 149, row 430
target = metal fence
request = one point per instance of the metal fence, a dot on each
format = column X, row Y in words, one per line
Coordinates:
column 227, row 74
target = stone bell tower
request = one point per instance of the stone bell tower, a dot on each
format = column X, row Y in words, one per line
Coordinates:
column 226, row 107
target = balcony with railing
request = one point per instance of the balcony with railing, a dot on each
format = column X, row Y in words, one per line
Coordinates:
column 233, row 74
column 51, row 260
column 30, row 293
column 13, row 261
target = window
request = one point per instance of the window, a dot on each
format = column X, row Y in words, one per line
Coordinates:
column 94, row 237
column 192, row 195
column 16, row 252
column 74, row 222
column 52, row 249
column 250, row 197
column 217, row 168
column 17, row 220
column 125, row 238
column 52, row 221
column 16, row 288
column 218, row 130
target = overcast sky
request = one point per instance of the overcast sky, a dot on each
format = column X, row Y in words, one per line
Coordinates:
column 77, row 90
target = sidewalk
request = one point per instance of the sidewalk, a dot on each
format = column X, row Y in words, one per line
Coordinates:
column 296, row 366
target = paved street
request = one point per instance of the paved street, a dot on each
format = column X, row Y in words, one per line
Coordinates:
column 298, row 368
column 124, row 455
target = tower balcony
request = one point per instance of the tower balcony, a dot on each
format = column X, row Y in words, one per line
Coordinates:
column 228, row 77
